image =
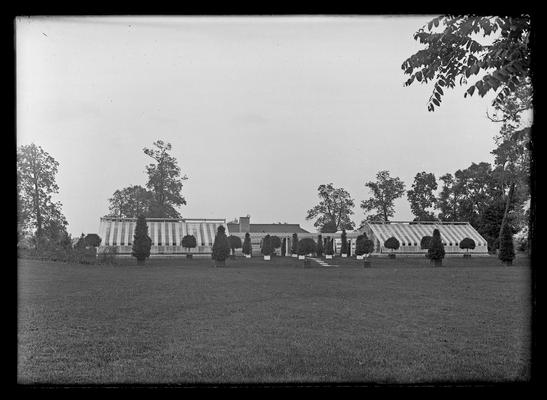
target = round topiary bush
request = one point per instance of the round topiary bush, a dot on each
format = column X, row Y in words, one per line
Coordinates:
column 425, row 242
column 467, row 243
column 235, row 243
column 188, row 242
column 307, row 246
column 393, row 244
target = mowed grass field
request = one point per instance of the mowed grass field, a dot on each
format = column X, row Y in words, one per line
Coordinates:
column 183, row 321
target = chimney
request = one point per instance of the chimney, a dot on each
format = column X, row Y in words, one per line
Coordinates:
column 244, row 224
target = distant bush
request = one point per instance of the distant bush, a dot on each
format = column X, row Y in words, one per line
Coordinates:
column 188, row 242
column 425, row 242
column 344, row 249
column 368, row 246
column 108, row 255
column 141, row 241
column 93, row 240
column 392, row 243
column 221, row 246
column 307, row 246
column 267, row 248
column 235, row 243
column 319, row 246
column 436, row 248
column 294, row 247
column 467, row 243
column 507, row 252
column 329, row 249
column 247, row 247
column 359, row 245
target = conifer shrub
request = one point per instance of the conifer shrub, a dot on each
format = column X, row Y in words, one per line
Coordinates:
column 247, row 247
column 267, row 248
column 141, row 241
column 329, row 248
column 436, row 248
column 221, row 247
column 344, row 247
column 294, row 247
column 507, row 251
column 319, row 246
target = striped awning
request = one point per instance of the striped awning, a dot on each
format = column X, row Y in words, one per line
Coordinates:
column 412, row 233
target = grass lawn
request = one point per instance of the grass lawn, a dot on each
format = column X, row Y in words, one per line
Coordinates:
column 182, row 321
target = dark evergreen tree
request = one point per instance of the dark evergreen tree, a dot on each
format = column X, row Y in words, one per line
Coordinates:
column 294, row 247
column 436, row 248
column 221, row 246
column 319, row 246
column 247, row 247
column 507, row 251
column 283, row 247
column 276, row 243
column 344, row 249
column 329, row 249
column 141, row 241
column 267, row 248
column 359, row 245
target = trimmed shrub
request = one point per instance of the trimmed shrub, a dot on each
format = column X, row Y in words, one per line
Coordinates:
column 360, row 245
column 507, row 252
column 319, row 246
column 267, row 248
column 368, row 246
column 247, row 248
column 294, row 247
column 221, row 246
column 307, row 246
column 344, row 249
column 276, row 243
column 425, row 242
column 436, row 248
column 141, row 241
column 235, row 243
column 189, row 242
column 93, row 240
column 329, row 249
column 284, row 247
column 467, row 243
column 392, row 243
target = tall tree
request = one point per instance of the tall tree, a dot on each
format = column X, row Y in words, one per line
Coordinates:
column 165, row 181
column 384, row 192
column 454, row 53
column 130, row 202
column 38, row 214
column 333, row 211
column 422, row 196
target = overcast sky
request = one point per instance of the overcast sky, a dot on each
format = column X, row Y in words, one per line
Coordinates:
column 259, row 110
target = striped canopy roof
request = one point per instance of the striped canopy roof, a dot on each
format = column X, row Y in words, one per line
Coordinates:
column 412, row 233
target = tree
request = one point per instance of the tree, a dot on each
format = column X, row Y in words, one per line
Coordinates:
column 221, row 246
column 392, row 243
column 319, row 246
column 189, row 242
column 247, row 247
column 294, row 247
column 384, row 192
column 467, row 243
column 276, row 243
column 93, row 240
column 367, row 246
column 165, row 181
column 267, row 246
column 141, row 241
column 453, row 54
column 329, row 249
column 425, row 243
column 130, row 202
column 507, row 251
column 38, row 214
column 333, row 211
column 307, row 246
column 359, row 245
column 344, row 247
column 235, row 243
column 436, row 248
column 422, row 197
column 284, row 247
